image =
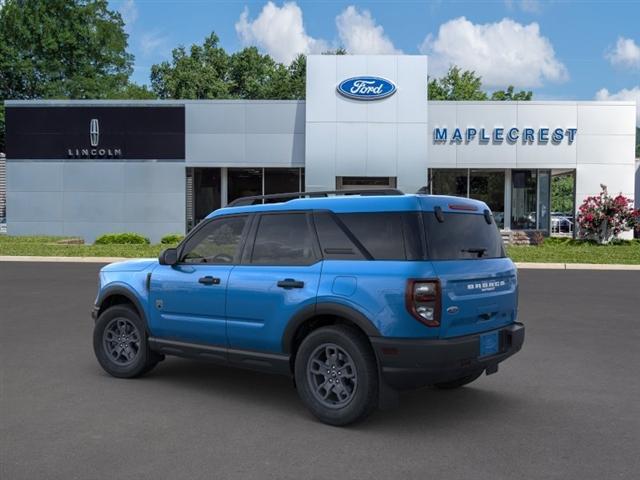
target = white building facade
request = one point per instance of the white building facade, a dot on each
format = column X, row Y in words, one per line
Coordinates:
column 155, row 167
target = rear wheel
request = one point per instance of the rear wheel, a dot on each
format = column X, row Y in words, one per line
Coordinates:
column 336, row 375
column 120, row 343
column 459, row 382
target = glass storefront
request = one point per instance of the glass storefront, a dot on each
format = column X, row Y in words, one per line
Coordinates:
column 523, row 206
column 488, row 186
column 205, row 187
column 449, row 181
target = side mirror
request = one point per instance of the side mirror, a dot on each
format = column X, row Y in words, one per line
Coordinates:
column 169, row 256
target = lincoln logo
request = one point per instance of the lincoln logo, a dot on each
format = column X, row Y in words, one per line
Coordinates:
column 94, row 132
column 94, row 141
column 366, row 88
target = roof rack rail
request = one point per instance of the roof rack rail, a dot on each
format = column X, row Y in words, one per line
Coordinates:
column 256, row 199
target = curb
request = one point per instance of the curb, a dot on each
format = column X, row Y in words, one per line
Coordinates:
column 520, row 265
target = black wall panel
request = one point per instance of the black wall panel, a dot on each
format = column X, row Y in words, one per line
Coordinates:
column 130, row 132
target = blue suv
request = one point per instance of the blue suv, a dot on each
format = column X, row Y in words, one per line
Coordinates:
column 355, row 296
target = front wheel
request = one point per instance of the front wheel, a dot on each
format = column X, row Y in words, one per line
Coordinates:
column 336, row 375
column 120, row 343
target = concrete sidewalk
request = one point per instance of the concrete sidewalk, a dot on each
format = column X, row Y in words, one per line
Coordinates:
column 520, row 265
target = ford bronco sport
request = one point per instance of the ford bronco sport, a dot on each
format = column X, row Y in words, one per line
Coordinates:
column 354, row 296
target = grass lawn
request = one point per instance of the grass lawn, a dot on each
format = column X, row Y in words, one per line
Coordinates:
column 554, row 250
column 42, row 246
column 557, row 250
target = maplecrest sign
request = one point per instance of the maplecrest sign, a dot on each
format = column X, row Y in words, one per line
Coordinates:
column 543, row 135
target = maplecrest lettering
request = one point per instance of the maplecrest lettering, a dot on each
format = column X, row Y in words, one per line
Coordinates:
column 511, row 135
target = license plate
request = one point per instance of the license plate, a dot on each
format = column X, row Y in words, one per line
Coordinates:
column 489, row 344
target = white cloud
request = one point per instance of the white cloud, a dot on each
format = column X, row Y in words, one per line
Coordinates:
column 624, row 94
column 360, row 34
column 129, row 12
column 278, row 31
column 152, row 42
column 503, row 53
column 625, row 54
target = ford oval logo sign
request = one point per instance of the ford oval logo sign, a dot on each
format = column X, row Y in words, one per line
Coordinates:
column 366, row 88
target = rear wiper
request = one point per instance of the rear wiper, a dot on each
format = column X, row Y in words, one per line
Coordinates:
column 479, row 251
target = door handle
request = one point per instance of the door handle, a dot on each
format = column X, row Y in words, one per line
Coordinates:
column 209, row 280
column 290, row 283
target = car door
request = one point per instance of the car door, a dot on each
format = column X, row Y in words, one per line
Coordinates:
column 187, row 300
column 279, row 274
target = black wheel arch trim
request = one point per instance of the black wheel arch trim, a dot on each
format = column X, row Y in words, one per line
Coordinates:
column 325, row 308
column 112, row 290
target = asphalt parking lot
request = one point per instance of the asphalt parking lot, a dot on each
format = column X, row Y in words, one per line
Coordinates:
column 566, row 407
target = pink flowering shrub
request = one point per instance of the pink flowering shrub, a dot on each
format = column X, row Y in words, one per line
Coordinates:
column 603, row 217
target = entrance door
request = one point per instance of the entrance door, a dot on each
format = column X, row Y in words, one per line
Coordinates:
column 187, row 300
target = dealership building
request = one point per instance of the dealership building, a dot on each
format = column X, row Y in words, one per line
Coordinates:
column 83, row 168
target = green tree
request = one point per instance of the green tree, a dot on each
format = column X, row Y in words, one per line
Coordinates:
column 457, row 85
column 207, row 72
column 62, row 49
column 510, row 95
column 562, row 193
column 200, row 73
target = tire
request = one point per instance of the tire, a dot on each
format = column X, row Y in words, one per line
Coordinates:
column 459, row 382
column 351, row 375
column 131, row 358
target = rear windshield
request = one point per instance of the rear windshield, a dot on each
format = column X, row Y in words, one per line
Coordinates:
column 462, row 236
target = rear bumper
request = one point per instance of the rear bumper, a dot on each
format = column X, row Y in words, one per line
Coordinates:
column 409, row 363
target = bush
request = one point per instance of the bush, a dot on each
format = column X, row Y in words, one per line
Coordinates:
column 603, row 217
column 171, row 239
column 121, row 239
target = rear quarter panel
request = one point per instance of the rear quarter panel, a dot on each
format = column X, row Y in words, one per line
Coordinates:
column 377, row 290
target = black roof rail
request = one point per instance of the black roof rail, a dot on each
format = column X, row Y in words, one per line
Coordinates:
column 256, row 199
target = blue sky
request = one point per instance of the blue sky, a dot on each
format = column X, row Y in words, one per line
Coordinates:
column 559, row 49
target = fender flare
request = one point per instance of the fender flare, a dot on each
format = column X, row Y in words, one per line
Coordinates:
column 326, row 308
column 112, row 290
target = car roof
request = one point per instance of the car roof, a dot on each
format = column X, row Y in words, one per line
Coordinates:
column 364, row 204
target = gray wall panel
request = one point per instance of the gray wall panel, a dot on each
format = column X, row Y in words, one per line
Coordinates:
column 34, row 228
column 93, row 207
column 274, row 118
column 215, row 150
column 34, row 206
column 153, row 207
column 144, row 177
column 215, row 117
column 96, row 197
column 22, row 177
column 244, row 133
column 93, row 176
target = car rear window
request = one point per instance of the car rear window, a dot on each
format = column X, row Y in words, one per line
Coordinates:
column 386, row 235
column 462, row 236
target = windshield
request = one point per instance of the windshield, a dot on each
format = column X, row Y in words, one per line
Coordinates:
column 462, row 236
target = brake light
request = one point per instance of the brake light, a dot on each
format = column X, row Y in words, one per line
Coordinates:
column 463, row 207
column 423, row 301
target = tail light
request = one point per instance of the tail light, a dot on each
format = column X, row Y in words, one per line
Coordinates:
column 423, row 301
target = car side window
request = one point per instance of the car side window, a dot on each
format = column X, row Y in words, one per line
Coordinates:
column 216, row 243
column 283, row 239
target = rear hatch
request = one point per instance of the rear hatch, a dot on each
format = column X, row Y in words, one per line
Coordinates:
column 478, row 283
